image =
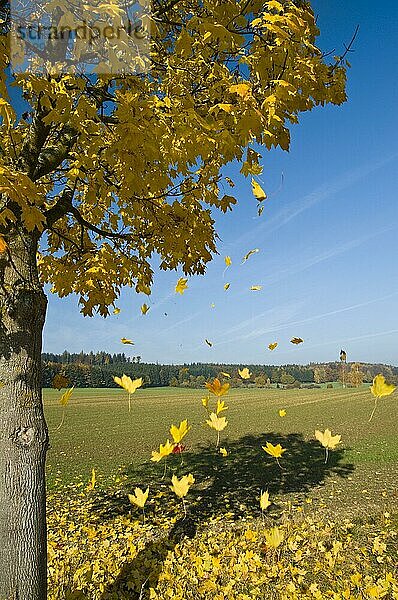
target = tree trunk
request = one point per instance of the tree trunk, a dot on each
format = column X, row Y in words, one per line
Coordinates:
column 23, row 430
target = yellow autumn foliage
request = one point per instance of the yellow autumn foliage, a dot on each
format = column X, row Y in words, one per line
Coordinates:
column 301, row 557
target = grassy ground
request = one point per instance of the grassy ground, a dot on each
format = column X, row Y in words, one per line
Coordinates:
column 98, row 431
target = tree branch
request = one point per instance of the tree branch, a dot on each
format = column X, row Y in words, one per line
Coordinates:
column 61, row 207
column 102, row 232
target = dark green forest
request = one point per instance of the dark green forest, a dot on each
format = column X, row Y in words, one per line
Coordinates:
column 97, row 370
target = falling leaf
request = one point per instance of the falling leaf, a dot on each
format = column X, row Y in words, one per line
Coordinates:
column 60, row 381
column 343, row 356
column 91, row 484
column 205, row 401
column 245, row 373
column 139, row 498
column 230, row 182
column 275, row 451
column 217, row 388
column 144, row 309
column 164, row 450
column 327, row 439
column 258, row 191
column 127, row 384
column 249, row 254
column 227, row 375
column 178, row 433
column 209, row 343
column 181, row 486
column 296, row 340
column 227, row 286
column 220, row 406
column 178, row 448
column 273, row 346
column 217, row 423
column 66, row 396
column 212, row 305
column 116, row 311
column 380, row 388
column 282, row 412
column 264, row 500
column 3, row 245
column 127, row 341
column 256, row 288
column 274, row 537
column 181, row 285
column 228, row 261
column 223, row 452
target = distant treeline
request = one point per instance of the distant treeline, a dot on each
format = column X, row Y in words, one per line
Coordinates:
column 97, row 370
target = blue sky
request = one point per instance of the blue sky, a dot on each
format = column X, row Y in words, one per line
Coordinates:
column 327, row 238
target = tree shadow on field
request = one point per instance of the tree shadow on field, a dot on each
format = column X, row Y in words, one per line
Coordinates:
column 223, row 485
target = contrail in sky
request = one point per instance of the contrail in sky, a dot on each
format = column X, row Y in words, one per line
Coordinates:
column 321, row 193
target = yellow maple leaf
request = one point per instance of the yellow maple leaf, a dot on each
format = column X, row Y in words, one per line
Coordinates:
column 258, row 191
column 205, row 401
column 327, row 439
column 144, row 309
column 220, row 406
column 296, row 341
column 230, row 182
column 380, row 388
column 241, row 89
column 245, row 373
column 91, row 484
column 273, row 346
column 178, row 433
column 264, row 500
column 282, row 412
column 139, row 498
column 275, row 451
column 217, row 423
column 223, row 452
column 228, row 261
column 226, row 375
column 164, row 450
column 227, row 286
column 181, row 285
column 126, row 341
column 116, row 311
column 181, row 486
column 128, row 384
column 216, row 388
column 274, row 537
column 66, row 396
column 256, row 288
column 249, row 254
column 222, row 106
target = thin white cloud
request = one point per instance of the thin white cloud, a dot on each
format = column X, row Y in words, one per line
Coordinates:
column 344, row 340
column 323, row 192
column 256, row 333
column 339, row 249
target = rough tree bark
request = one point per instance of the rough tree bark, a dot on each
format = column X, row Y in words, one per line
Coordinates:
column 23, row 430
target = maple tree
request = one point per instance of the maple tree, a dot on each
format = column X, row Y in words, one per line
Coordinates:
column 102, row 173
